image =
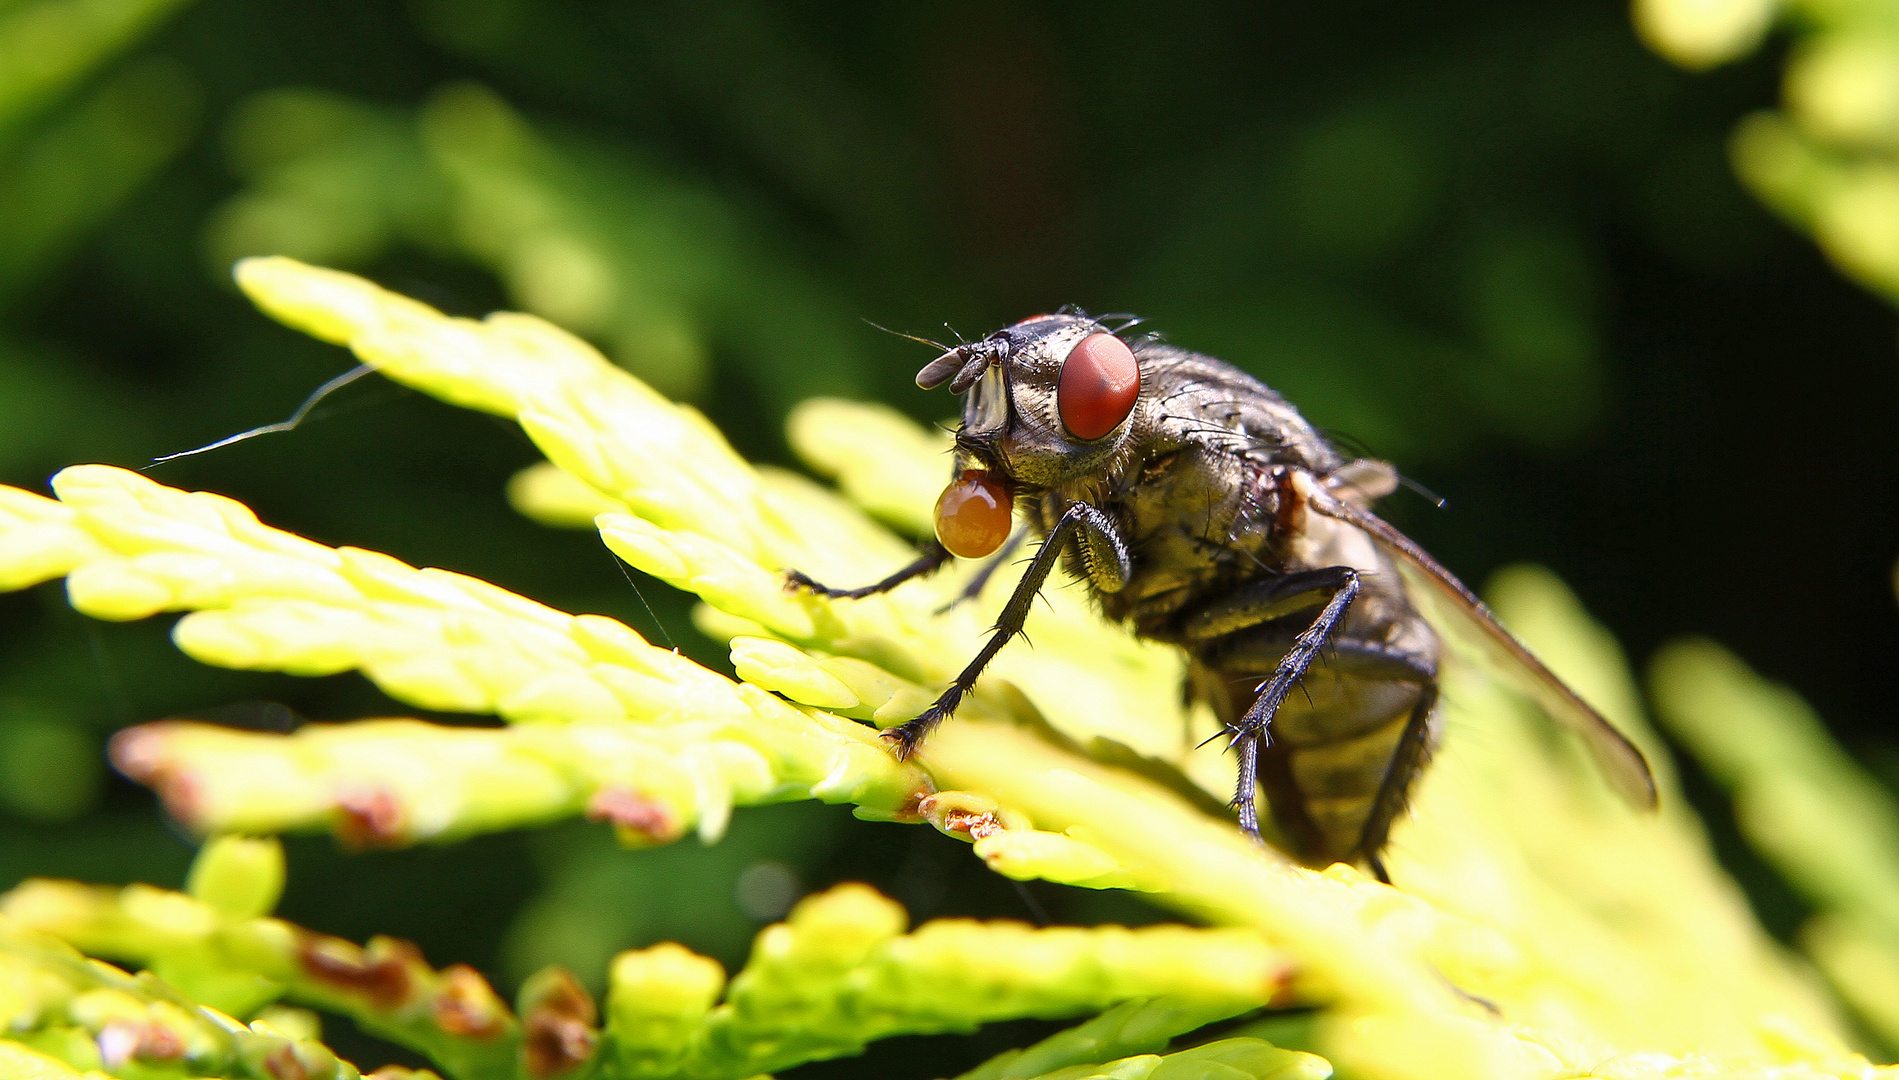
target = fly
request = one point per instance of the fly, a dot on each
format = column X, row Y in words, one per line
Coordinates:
column 1203, row 511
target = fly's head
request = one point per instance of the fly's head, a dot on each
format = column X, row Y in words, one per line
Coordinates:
column 1048, row 400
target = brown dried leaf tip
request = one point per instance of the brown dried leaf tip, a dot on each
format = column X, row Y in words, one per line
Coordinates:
column 557, row 1018
column 650, row 820
column 140, row 753
column 290, row 1061
column 384, row 974
column 963, row 813
column 466, row 1005
column 121, row 1041
column 369, row 816
column 975, row 826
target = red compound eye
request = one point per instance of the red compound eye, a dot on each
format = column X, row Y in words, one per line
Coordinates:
column 972, row 515
column 1100, row 381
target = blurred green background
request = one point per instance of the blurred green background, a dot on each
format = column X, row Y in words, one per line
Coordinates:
column 1500, row 244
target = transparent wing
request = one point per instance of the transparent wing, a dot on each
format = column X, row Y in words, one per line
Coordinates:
column 1622, row 764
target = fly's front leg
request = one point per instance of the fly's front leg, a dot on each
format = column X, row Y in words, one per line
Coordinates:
column 1104, row 554
column 1269, row 600
column 928, row 560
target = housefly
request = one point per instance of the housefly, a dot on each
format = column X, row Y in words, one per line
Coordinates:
column 1203, row 511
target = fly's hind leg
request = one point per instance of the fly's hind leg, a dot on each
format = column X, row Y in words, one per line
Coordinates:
column 1273, row 599
column 1414, row 745
column 1348, row 660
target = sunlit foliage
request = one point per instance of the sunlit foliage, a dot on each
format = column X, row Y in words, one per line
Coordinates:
column 1427, row 225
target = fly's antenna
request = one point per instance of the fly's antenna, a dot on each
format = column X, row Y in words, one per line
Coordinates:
column 296, row 418
column 937, row 345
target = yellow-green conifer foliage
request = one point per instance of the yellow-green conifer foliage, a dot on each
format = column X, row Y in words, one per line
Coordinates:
column 1543, row 928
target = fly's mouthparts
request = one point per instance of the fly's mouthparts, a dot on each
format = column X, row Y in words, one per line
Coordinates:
column 989, row 409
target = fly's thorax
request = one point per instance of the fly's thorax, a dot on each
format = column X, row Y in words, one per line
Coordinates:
column 1186, row 517
column 1313, row 540
column 1307, row 540
column 1212, row 403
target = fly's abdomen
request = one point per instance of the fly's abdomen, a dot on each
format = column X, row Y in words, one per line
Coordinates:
column 1325, row 769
